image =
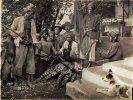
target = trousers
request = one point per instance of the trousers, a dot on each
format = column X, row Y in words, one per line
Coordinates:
column 24, row 57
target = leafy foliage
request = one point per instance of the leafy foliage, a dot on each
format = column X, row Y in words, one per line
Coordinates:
column 46, row 11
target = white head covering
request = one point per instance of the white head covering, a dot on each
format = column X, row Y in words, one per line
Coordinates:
column 30, row 6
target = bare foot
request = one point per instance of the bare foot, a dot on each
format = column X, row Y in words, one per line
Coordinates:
column 80, row 81
column 32, row 79
column 30, row 85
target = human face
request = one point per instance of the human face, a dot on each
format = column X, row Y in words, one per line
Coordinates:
column 89, row 8
column 45, row 36
column 51, row 36
column 69, row 38
column 112, row 37
column 57, row 30
column 30, row 14
column 4, row 37
column 67, row 28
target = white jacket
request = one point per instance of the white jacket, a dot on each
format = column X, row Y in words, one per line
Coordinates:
column 74, row 49
column 18, row 27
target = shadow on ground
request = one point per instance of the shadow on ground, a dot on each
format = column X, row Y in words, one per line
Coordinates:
column 42, row 90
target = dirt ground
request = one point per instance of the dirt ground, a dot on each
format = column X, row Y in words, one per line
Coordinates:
column 43, row 90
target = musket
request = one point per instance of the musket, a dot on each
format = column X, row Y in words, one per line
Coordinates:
column 100, row 20
column 17, row 34
column 88, row 31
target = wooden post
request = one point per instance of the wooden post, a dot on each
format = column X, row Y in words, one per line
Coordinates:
column 123, row 21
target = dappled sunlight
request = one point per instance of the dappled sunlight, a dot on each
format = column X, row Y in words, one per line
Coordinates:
column 89, row 76
column 119, row 68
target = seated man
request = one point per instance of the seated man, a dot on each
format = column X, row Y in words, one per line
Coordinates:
column 113, row 52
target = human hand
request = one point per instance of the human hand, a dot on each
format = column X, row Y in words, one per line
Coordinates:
column 10, row 60
column 36, row 44
column 21, row 35
column 59, row 53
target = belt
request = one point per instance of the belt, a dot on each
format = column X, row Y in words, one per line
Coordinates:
column 25, row 43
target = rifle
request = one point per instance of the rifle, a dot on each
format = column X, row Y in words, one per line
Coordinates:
column 88, row 31
column 26, row 41
column 85, row 33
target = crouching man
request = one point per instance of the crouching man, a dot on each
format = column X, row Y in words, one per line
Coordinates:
column 24, row 35
column 7, row 57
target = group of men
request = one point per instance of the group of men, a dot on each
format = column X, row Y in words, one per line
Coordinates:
column 28, row 47
column 62, row 51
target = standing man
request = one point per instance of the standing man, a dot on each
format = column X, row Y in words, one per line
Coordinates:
column 91, row 35
column 25, row 27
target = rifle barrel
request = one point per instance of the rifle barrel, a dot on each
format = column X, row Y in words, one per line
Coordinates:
column 16, row 33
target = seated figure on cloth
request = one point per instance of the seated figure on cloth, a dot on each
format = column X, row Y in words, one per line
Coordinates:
column 113, row 51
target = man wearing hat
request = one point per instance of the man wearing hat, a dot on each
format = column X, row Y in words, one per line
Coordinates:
column 57, row 30
column 91, row 35
column 67, row 27
column 24, row 37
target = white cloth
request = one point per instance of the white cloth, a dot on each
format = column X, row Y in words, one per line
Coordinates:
column 92, row 52
column 33, row 31
column 74, row 48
